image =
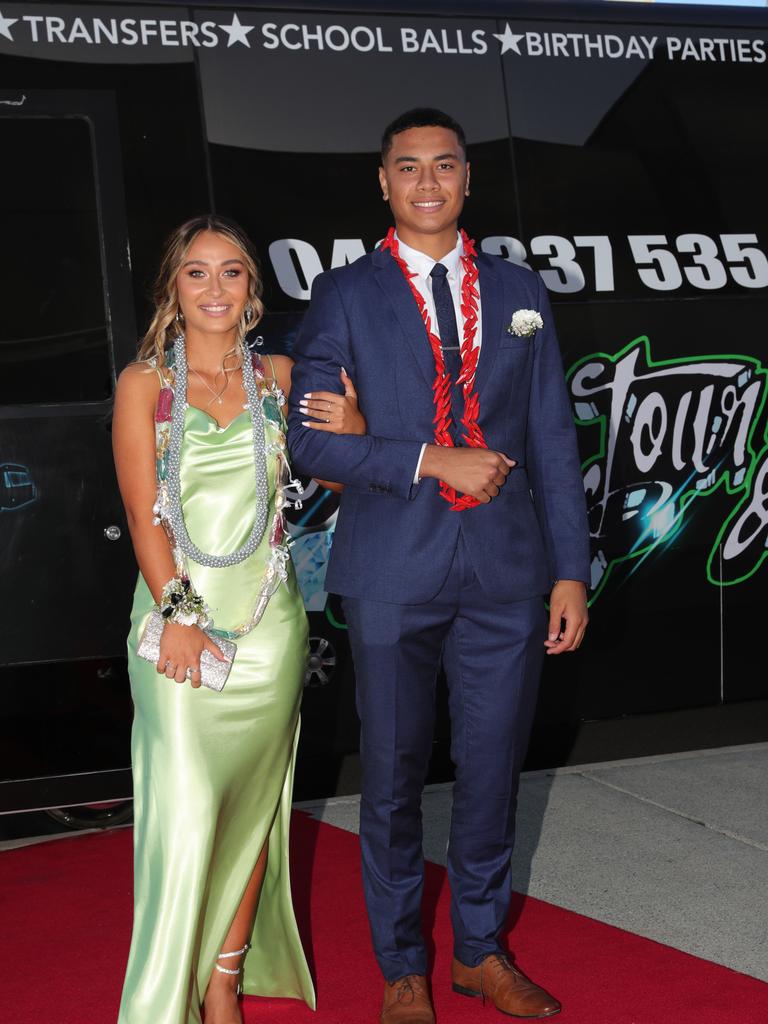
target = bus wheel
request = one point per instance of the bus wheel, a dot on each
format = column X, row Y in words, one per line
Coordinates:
column 93, row 815
column 321, row 667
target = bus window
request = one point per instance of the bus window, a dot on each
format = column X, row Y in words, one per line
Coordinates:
column 53, row 335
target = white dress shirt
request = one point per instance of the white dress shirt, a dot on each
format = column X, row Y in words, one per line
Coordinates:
column 421, row 265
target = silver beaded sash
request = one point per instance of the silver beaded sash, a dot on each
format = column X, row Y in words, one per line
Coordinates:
column 174, row 509
column 169, row 434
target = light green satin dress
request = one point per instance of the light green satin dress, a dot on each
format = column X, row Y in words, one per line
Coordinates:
column 213, row 771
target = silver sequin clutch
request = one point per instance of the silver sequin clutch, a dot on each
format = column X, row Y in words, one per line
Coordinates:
column 213, row 673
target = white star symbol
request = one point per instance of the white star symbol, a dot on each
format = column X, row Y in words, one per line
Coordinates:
column 238, row 33
column 508, row 40
column 5, row 26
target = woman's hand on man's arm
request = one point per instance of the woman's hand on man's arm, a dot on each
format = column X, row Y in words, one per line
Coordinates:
column 334, row 413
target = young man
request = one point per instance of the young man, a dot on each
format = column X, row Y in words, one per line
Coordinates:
column 463, row 508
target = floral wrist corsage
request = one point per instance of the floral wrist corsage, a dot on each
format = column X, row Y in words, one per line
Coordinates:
column 181, row 603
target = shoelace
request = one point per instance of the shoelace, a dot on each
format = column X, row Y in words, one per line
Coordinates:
column 404, row 987
column 503, row 962
column 500, row 962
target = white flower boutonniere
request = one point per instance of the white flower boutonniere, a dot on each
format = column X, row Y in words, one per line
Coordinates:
column 525, row 322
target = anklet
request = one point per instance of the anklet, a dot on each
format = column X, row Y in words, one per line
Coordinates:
column 228, row 956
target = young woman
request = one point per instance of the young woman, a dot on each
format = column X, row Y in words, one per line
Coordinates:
column 199, row 441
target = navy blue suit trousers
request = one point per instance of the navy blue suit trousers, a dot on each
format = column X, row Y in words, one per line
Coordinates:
column 492, row 655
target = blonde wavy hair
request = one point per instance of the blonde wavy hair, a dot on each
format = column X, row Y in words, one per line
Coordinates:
column 164, row 326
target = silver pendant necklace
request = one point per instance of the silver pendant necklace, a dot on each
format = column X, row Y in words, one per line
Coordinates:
column 218, row 396
column 175, row 513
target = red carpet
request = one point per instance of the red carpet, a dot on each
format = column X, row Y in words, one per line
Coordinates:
column 65, row 909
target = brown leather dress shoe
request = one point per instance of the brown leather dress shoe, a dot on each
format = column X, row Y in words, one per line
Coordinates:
column 407, row 1001
column 497, row 979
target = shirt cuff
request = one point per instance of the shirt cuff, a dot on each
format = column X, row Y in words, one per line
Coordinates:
column 416, row 477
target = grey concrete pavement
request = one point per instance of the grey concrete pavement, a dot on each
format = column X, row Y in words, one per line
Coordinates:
column 673, row 847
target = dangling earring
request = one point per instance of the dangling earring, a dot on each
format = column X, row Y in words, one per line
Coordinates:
column 248, row 314
column 180, row 321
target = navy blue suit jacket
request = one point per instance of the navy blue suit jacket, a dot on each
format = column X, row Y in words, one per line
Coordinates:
column 394, row 540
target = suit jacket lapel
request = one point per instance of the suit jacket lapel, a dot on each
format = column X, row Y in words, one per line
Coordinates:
column 390, row 279
column 492, row 309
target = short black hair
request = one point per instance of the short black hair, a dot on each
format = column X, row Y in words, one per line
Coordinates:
column 421, row 117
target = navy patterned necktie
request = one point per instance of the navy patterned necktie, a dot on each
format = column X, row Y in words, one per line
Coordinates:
column 449, row 341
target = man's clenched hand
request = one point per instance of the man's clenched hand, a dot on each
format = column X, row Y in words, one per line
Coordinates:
column 476, row 471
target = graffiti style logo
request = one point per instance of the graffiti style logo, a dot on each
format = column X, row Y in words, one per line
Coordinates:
column 670, row 432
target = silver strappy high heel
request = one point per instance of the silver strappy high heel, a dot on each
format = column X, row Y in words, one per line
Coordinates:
column 233, row 970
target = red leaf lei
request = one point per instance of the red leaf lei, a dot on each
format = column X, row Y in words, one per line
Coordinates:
column 443, row 383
